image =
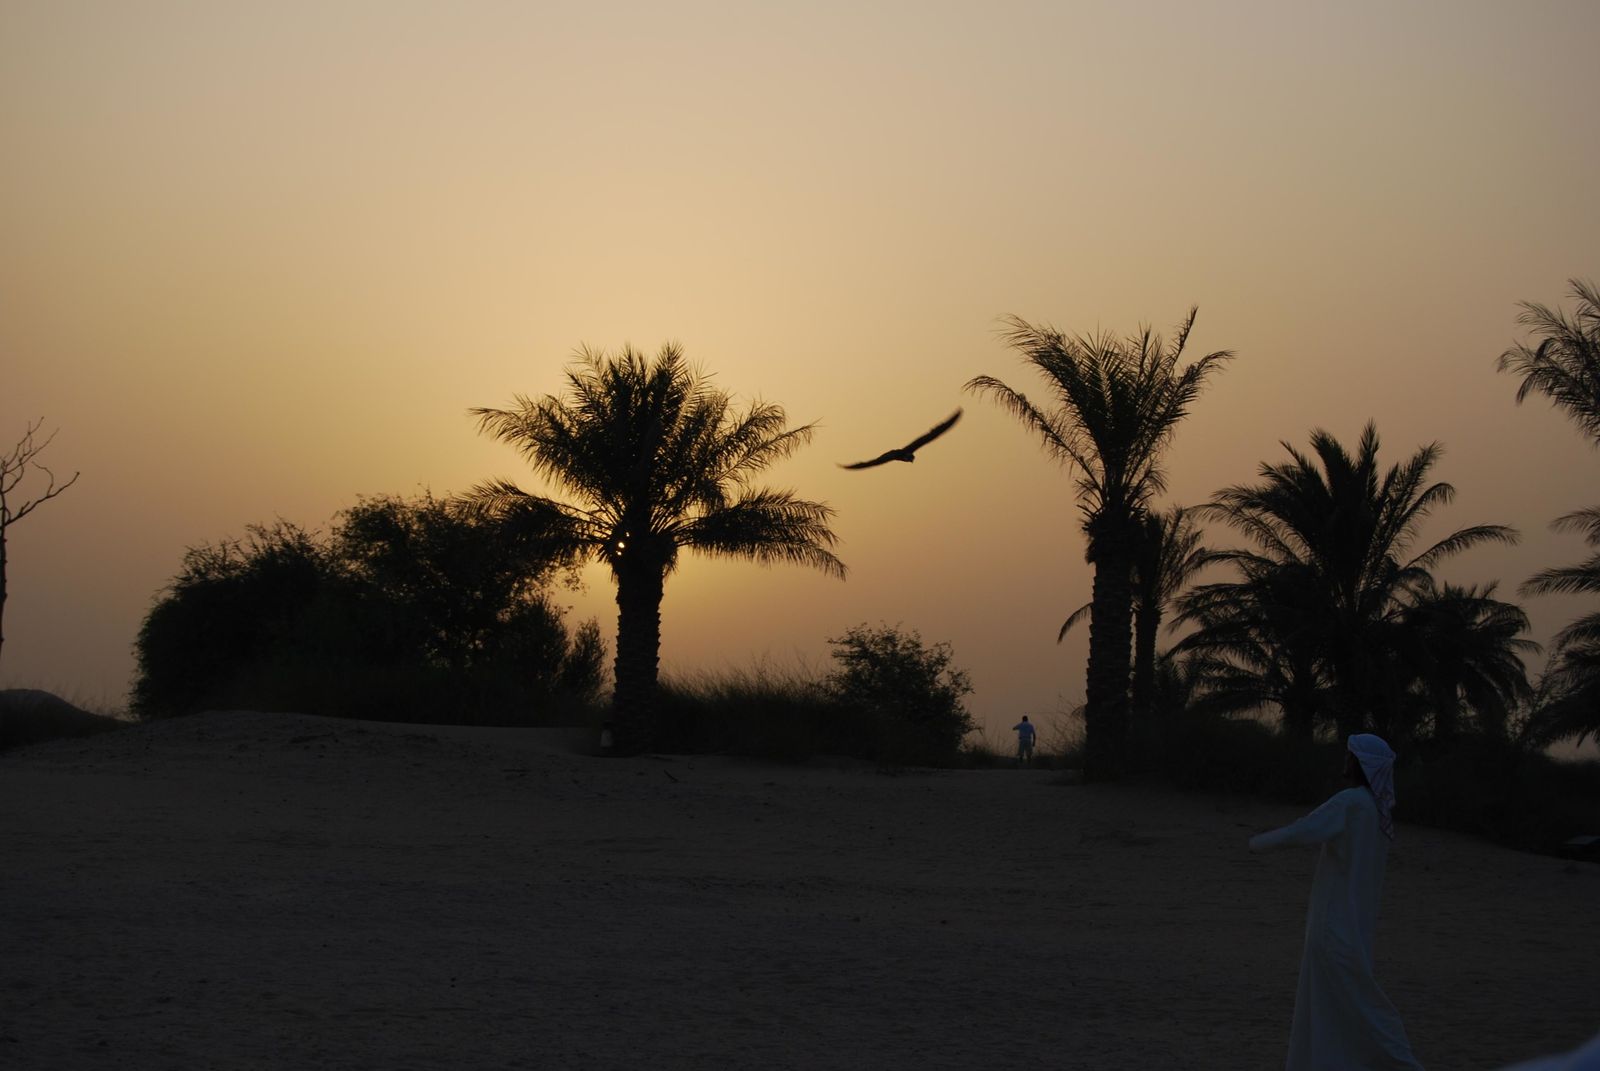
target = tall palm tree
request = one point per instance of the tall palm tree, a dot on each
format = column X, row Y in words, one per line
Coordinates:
column 1332, row 537
column 1117, row 402
column 1167, row 554
column 1564, row 365
column 654, row 460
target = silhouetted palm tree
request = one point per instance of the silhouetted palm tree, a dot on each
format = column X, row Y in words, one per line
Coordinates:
column 655, row 460
column 1568, row 701
column 1167, row 554
column 1117, row 402
column 1466, row 647
column 1564, row 365
column 1570, row 697
column 1257, row 643
column 1331, row 572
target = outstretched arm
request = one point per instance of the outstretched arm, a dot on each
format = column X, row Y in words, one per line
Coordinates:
column 1322, row 824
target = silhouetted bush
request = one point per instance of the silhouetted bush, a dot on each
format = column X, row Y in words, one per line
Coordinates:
column 409, row 611
column 905, row 696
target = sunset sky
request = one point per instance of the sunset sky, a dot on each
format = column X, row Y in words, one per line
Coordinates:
column 258, row 260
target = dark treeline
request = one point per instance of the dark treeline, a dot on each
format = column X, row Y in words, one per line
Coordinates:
column 1329, row 618
column 1336, row 621
column 408, row 610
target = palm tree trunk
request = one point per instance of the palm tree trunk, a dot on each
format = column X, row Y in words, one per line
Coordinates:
column 1300, row 705
column 639, row 591
column 1110, row 644
column 1353, row 692
column 1446, row 710
column 1146, row 628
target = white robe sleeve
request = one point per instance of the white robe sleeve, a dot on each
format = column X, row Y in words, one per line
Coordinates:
column 1322, row 824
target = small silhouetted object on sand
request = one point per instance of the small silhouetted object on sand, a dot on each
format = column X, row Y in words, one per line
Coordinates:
column 905, row 452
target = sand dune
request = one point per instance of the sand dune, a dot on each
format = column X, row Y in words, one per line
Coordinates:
column 29, row 716
column 242, row 890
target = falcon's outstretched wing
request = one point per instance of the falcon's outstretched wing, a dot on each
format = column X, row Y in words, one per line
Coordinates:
column 932, row 433
column 905, row 452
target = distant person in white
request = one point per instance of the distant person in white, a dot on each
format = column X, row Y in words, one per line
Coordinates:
column 1024, row 731
column 1342, row 1020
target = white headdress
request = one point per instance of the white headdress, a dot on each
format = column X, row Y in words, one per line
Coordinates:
column 1377, row 762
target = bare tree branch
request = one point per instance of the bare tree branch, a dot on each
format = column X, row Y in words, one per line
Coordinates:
column 13, row 470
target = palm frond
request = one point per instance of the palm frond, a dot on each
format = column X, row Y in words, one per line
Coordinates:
column 555, row 530
column 1564, row 364
column 1586, row 521
column 1018, row 405
column 1465, row 539
column 1073, row 618
column 767, row 526
column 1580, row 579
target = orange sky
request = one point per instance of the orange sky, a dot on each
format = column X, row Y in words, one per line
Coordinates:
column 259, row 260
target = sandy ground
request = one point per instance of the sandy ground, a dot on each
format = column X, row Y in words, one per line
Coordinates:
column 243, row 890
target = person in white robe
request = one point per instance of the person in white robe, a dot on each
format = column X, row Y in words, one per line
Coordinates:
column 1342, row 1020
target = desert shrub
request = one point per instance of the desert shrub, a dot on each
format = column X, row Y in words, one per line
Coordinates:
column 905, row 696
column 231, row 605
column 408, row 611
column 1495, row 788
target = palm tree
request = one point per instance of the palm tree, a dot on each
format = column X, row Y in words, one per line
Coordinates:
column 1331, row 571
column 1568, row 701
column 1118, row 402
column 1564, row 366
column 1466, row 647
column 1167, row 554
column 1255, row 643
column 655, row 460
column 1571, row 694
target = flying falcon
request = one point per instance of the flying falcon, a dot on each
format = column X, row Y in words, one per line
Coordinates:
column 905, row 452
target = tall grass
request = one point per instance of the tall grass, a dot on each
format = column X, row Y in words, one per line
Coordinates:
column 980, row 752
column 789, row 714
column 765, row 711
